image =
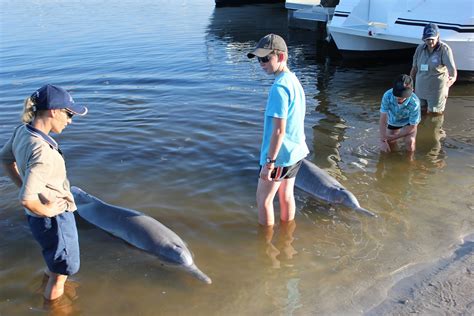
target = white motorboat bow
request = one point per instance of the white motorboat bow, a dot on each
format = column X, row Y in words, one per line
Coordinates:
column 369, row 26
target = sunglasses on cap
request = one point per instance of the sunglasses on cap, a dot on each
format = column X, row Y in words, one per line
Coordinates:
column 68, row 113
column 265, row 59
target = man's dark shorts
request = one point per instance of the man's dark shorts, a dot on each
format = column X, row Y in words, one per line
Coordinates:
column 395, row 127
column 281, row 173
column 59, row 241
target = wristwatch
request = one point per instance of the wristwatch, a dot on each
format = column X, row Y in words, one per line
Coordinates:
column 269, row 160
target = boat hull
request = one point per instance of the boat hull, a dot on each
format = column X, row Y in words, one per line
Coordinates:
column 223, row 3
column 351, row 41
column 370, row 26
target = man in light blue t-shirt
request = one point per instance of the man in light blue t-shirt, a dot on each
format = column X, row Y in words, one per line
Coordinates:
column 399, row 115
column 283, row 144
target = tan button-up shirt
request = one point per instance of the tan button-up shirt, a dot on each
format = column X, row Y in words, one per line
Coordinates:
column 41, row 166
column 433, row 72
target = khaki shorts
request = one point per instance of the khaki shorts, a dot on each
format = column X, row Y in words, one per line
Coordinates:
column 436, row 108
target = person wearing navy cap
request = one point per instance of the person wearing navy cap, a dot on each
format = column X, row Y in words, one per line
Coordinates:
column 399, row 115
column 33, row 161
column 433, row 70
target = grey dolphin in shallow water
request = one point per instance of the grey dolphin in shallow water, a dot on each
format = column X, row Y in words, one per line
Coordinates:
column 318, row 183
column 139, row 230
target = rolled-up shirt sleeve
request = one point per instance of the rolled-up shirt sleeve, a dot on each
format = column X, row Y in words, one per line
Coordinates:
column 36, row 174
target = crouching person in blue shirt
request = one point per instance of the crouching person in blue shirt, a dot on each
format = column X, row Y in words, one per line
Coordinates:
column 399, row 115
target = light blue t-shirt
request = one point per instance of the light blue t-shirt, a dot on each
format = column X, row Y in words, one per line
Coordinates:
column 407, row 113
column 286, row 100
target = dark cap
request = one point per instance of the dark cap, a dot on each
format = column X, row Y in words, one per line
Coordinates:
column 268, row 44
column 51, row 97
column 403, row 86
column 431, row 30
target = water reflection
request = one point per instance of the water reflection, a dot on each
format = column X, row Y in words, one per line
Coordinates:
column 240, row 27
column 245, row 23
column 329, row 131
column 429, row 141
column 278, row 247
column 397, row 172
column 394, row 176
column 66, row 305
column 62, row 306
column 281, row 282
column 284, row 293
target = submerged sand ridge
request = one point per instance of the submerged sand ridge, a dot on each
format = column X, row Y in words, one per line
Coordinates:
column 445, row 287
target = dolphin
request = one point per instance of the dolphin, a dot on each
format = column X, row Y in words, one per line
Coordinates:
column 139, row 230
column 319, row 184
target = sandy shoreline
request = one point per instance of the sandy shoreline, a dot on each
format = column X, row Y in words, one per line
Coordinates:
column 443, row 288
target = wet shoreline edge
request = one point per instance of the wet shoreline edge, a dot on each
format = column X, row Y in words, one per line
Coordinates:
column 442, row 287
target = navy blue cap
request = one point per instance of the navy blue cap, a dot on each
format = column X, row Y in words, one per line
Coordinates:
column 51, row 97
column 431, row 30
column 403, row 86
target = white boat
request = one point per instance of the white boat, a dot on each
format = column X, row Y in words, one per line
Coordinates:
column 224, row 3
column 311, row 10
column 384, row 25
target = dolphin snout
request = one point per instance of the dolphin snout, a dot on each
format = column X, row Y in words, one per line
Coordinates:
column 366, row 212
column 198, row 274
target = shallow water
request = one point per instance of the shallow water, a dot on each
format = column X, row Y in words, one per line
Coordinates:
column 176, row 113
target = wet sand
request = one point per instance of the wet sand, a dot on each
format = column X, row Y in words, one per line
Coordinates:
column 444, row 287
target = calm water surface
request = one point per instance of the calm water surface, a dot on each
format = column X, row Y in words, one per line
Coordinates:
column 176, row 113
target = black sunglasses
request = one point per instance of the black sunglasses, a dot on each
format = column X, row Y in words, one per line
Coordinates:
column 265, row 59
column 69, row 113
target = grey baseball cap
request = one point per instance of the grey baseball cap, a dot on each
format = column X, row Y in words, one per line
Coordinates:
column 268, row 44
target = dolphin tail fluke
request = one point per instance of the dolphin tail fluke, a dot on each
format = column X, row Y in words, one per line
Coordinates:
column 198, row 274
column 366, row 212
